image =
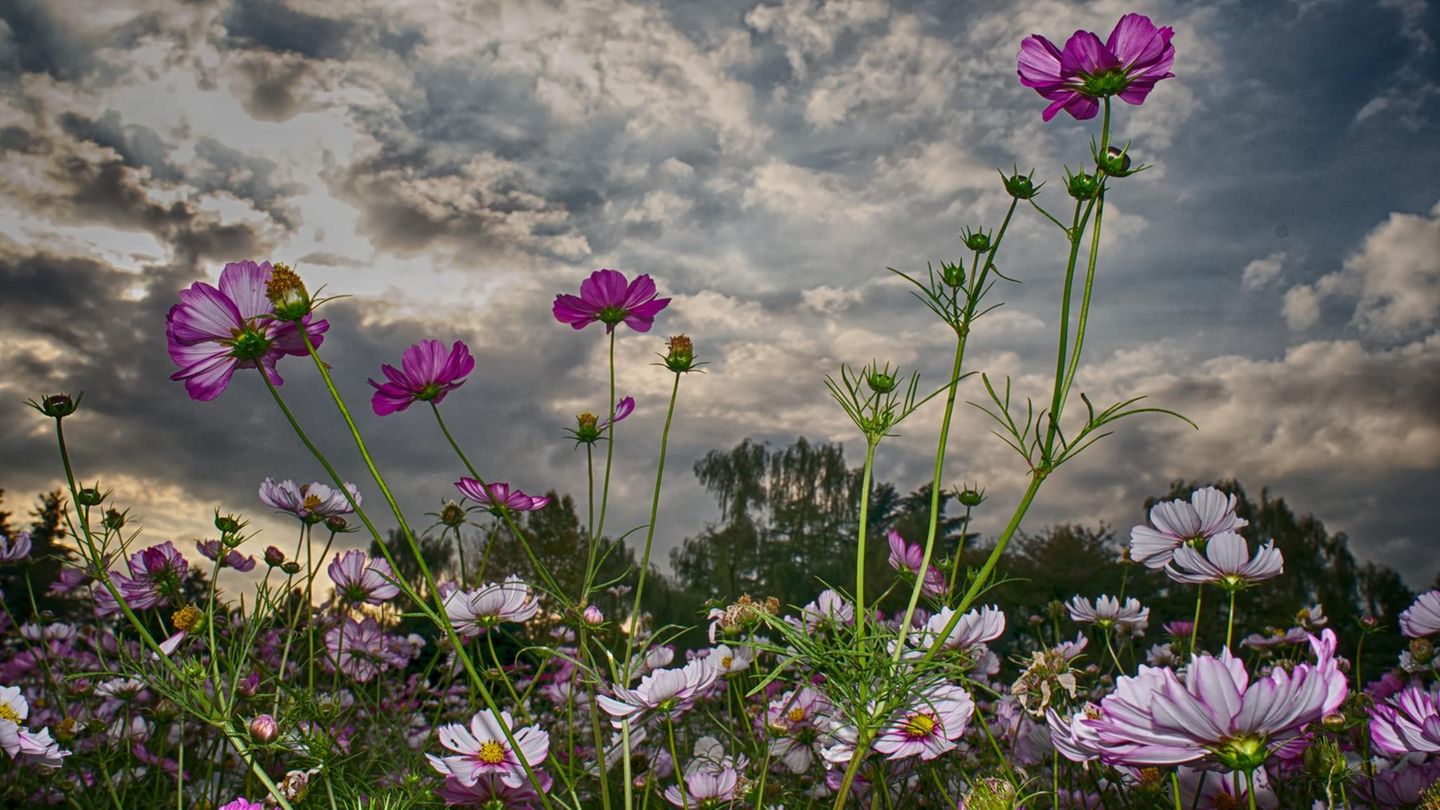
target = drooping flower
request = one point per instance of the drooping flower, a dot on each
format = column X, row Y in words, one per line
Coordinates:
column 156, row 574
column 14, row 549
column 215, row 330
column 1107, row 611
column 311, row 503
column 498, row 497
column 1127, row 64
column 906, row 557
column 929, row 726
column 471, row 612
column 427, row 374
column 21, row 743
column 664, row 691
column 483, row 751
column 1408, row 723
column 1217, row 713
column 1178, row 523
column 1422, row 618
column 359, row 579
column 1226, row 562
column 231, row 558
column 608, row 298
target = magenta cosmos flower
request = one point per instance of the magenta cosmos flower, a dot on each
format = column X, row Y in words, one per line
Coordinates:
column 426, row 374
column 498, row 497
column 1177, row 523
column 156, row 574
column 608, row 298
column 484, row 752
column 1217, row 712
column 1127, row 64
column 214, row 331
column 906, row 557
column 1422, row 618
column 1408, row 723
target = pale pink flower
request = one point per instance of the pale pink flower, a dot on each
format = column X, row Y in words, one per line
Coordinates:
column 1177, row 523
column 482, row 750
column 359, row 579
column 1422, row 618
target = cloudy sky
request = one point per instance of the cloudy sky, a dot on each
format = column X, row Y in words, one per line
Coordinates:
column 453, row 165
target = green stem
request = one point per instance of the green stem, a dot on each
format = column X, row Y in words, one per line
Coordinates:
column 860, row 608
column 1250, row 787
column 1230, row 626
column 1175, row 787
column 675, row 757
column 959, row 553
column 650, row 530
column 609, row 460
column 1195, row 625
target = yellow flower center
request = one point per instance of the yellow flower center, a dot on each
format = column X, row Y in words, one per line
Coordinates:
column 490, row 753
column 187, row 618
column 725, row 662
column 920, row 725
column 796, row 714
column 7, row 712
column 311, row 501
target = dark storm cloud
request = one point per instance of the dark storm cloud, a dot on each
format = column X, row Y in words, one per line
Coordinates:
column 272, row 87
column 275, row 26
column 34, row 40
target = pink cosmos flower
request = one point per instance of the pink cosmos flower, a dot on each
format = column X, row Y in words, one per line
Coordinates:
column 359, row 579
column 14, row 549
column 214, row 331
column 1222, row 790
column 242, row 803
column 976, row 627
column 211, row 550
column 606, row 297
column 427, row 374
column 664, row 690
column 1422, row 618
column 1107, row 611
column 484, row 752
column 794, row 718
column 498, row 497
column 1408, row 723
column 21, row 743
column 929, row 726
column 904, row 557
column 361, row 650
column 828, row 609
column 471, row 612
column 1177, row 523
column 1226, row 562
column 311, row 503
column 1399, row 784
column 155, row 577
column 1217, row 712
column 490, row 791
column 706, row 787
column 1128, row 64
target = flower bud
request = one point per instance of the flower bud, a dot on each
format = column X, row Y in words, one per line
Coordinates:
column 1020, row 186
column 287, row 293
column 249, row 685
column 881, row 382
column 337, row 524
column 952, row 274
column 587, row 428
column 680, row 354
column 1115, row 162
column 90, row 496
column 1334, row 721
column 969, row 498
column 264, row 728
column 452, row 515
column 274, row 557
column 592, row 616
column 1421, row 651
column 1369, row 622
column 114, row 520
column 290, row 567
column 1082, row 186
column 227, row 524
column 978, row 241
column 58, row 406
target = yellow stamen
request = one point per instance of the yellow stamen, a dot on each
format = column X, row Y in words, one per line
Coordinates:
column 920, row 725
column 490, row 753
column 7, row 712
column 796, row 714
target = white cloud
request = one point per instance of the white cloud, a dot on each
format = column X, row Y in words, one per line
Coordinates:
column 1261, row 273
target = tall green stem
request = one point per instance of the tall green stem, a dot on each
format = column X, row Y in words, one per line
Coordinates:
column 1230, row 625
column 650, row 530
column 1195, row 625
column 860, row 607
column 609, row 460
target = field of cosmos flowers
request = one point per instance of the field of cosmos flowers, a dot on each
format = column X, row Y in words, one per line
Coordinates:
column 355, row 679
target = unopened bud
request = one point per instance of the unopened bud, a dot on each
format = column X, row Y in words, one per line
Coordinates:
column 56, row 406
column 1369, row 622
column 1082, row 186
column 971, row 498
column 1020, row 186
column 114, row 520
column 1334, row 721
column 1115, row 162
column 952, row 274
column 274, row 557
column 249, row 685
column 881, row 382
column 592, row 616
column 1421, row 651
column 227, row 524
column 680, row 354
column 978, row 241
column 264, row 728
column 290, row 567
column 90, row 496
column 337, row 524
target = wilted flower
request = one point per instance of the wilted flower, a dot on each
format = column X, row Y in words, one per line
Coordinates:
column 473, row 611
column 1226, row 562
column 1217, row 713
column 1422, row 618
column 359, row 579
column 905, row 557
column 498, row 497
column 1209, row 512
column 1047, row 674
column 1128, row 64
column 14, row 549
column 606, row 297
column 311, row 503
column 929, row 726
column 1107, row 611
column 485, row 752
column 427, row 374
column 214, row 331
column 1408, row 722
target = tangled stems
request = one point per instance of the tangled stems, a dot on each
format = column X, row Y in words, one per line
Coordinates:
column 439, row 619
column 972, row 300
column 650, row 530
column 96, row 558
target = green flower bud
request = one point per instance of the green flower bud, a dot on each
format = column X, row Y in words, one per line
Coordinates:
column 114, row 520
column 1082, row 186
column 953, row 274
column 970, row 498
column 90, row 496
column 1020, row 186
column 881, row 382
column 57, row 406
column 1115, row 162
column 290, row 567
column 227, row 524
column 978, row 241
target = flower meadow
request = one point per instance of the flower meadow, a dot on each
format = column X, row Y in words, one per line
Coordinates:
column 240, row 672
